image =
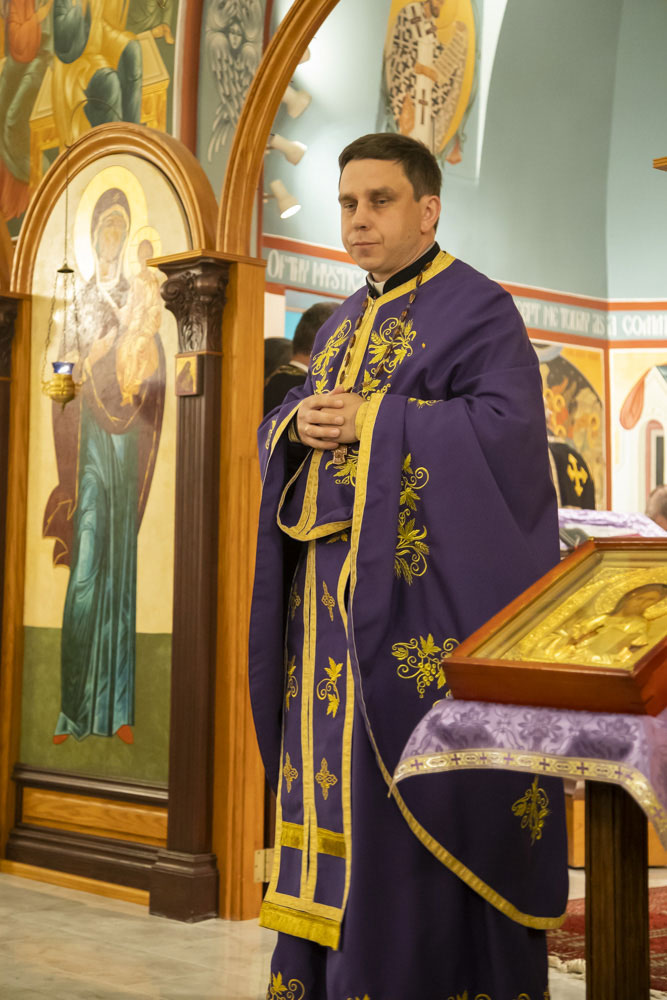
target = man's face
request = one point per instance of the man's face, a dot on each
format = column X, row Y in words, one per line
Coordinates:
column 383, row 227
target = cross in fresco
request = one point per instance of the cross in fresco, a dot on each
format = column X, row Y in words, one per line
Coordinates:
column 578, row 476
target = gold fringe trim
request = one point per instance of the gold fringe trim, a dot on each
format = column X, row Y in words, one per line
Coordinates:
column 320, row 930
column 530, row 761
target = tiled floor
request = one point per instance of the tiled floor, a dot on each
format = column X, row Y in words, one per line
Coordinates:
column 68, row 945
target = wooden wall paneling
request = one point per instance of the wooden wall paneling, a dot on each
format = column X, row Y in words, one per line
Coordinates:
column 98, row 817
column 88, row 827
column 67, row 881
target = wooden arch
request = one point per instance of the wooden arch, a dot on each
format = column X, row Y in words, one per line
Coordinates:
column 170, row 156
column 276, row 69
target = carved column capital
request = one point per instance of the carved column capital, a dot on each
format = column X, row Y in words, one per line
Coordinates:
column 8, row 313
column 195, row 293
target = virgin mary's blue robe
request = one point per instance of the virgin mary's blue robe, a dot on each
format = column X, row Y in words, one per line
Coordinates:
column 441, row 514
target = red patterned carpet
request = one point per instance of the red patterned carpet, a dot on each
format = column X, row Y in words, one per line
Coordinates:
column 568, row 942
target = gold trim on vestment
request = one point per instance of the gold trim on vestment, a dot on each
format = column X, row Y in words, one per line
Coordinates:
column 438, row 850
column 532, row 762
column 328, row 841
column 306, row 925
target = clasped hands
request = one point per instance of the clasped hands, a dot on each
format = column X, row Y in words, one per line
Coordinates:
column 327, row 419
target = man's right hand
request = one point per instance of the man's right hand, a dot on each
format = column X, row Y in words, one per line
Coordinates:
column 319, row 420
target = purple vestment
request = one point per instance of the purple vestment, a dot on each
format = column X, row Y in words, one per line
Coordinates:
column 440, row 515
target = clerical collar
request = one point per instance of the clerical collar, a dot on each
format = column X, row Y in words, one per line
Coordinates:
column 377, row 288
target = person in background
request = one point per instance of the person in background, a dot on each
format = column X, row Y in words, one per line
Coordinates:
column 277, row 352
column 656, row 506
column 293, row 373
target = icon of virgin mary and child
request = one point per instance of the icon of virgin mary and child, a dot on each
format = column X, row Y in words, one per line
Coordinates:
column 106, row 443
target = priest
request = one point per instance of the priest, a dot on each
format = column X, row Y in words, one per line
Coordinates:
column 406, row 499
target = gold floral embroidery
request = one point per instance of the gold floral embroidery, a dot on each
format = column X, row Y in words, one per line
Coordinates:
column 290, row 773
column 411, row 548
column 341, row 536
column 294, row 603
column 270, row 434
column 364, row 997
column 391, row 345
column 325, row 779
column 533, row 808
column 328, row 601
column 421, row 660
column 369, row 385
column 423, row 402
column 346, row 474
column 278, row 990
column 411, row 482
column 322, row 360
column 328, row 687
column 292, row 685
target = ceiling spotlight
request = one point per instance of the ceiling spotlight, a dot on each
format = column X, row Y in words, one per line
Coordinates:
column 287, row 203
column 296, row 101
column 292, row 151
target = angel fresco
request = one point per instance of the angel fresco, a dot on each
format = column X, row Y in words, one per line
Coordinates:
column 28, row 54
column 106, row 444
column 429, row 65
column 234, row 50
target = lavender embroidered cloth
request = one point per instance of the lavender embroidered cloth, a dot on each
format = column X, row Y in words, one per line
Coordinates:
column 628, row 750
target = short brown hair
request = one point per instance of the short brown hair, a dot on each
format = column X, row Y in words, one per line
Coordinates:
column 419, row 164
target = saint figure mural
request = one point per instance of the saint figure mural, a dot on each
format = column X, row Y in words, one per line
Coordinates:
column 97, row 70
column 28, row 53
column 429, row 68
column 106, row 443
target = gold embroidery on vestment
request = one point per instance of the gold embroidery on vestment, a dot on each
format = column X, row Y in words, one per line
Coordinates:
column 325, row 779
column 423, row 402
column 533, row 808
column 278, row 990
column 345, row 474
column 421, row 660
column 294, row 603
column 270, row 434
column 292, row 685
column 328, row 687
column 323, row 358
column 411, row 548
column 328, row 601
column 290, row 773
column 391, row 344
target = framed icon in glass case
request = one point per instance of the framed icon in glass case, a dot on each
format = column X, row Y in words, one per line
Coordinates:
column 591, row 634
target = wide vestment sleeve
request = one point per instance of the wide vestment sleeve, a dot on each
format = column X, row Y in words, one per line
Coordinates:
column 452, row 513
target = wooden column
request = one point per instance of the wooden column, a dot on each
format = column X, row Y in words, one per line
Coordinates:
column 617, row 930
column 184, row 880
column 238, row 822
